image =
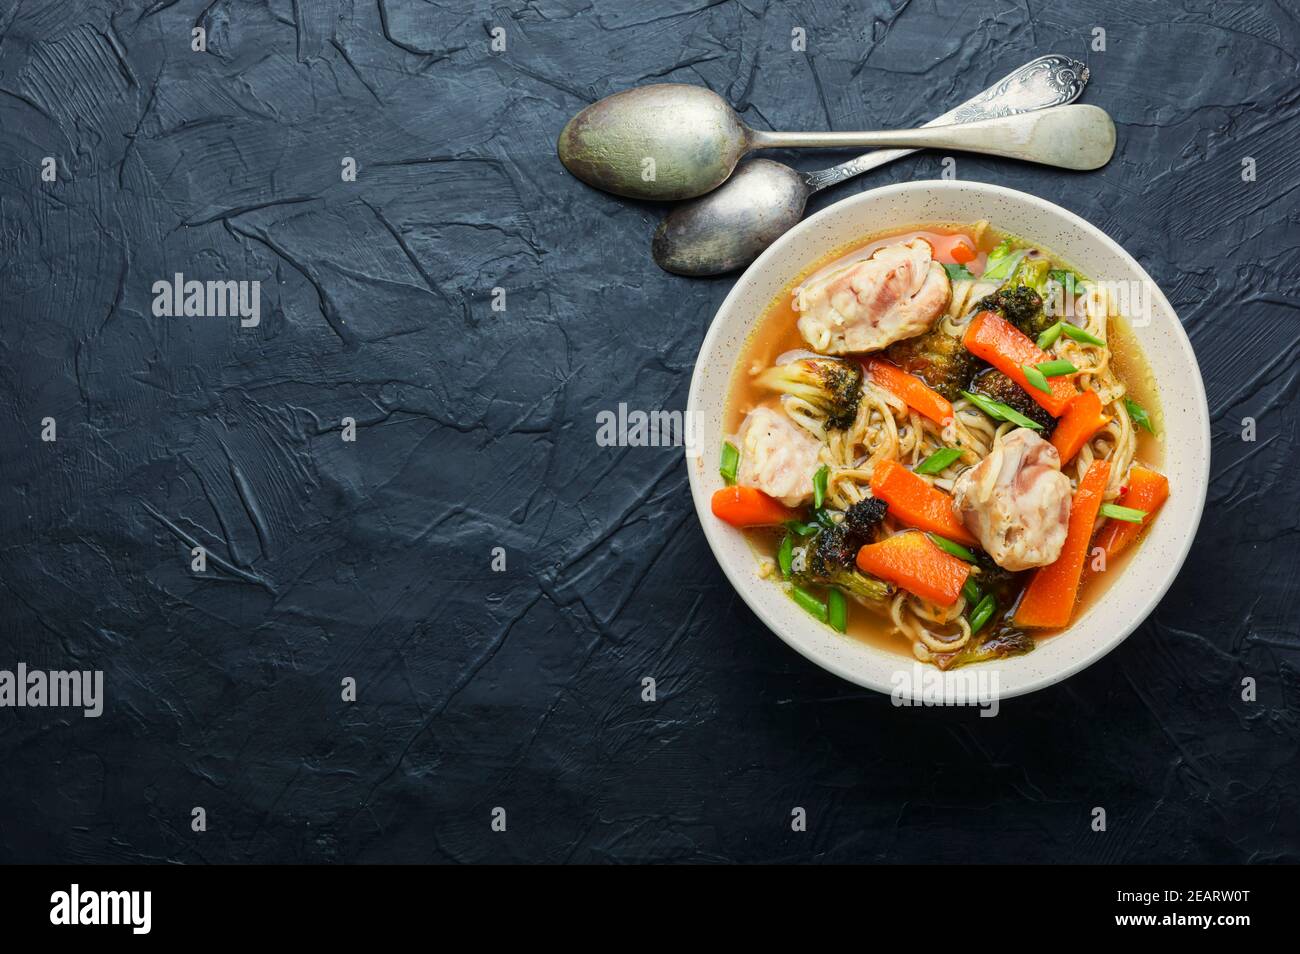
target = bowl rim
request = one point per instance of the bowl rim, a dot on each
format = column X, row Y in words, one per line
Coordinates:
column 713, row 529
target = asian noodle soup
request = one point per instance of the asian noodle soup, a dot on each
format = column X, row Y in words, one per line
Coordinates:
column 944, row 441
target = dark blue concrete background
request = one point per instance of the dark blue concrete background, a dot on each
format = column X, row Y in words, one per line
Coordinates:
column 476, row 429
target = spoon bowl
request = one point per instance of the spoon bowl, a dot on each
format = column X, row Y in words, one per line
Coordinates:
column 730, row 226
column 665, row 141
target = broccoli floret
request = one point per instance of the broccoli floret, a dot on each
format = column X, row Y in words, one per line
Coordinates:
column 1020, row 298
column 996, row 385
column 1002, row 642
column 832, row 387
column 863, row 518
column 830, row 551
column 1021, row 305
column 831, row 555
column 988, row 575
column 939, row 359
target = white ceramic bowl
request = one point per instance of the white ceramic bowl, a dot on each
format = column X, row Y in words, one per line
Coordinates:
column 1131, row 597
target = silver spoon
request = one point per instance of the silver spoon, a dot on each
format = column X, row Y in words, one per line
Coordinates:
column 676, row 142
column 729, row 227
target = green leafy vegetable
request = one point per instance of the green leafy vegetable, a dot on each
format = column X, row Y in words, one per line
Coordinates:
column 958, row 273
column 1140, row 417
column 1002, row 261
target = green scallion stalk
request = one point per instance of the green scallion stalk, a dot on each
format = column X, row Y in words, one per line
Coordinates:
column 819, row 486
column 1001, row 412
column 947, row 546
column 1056, row 369
column 810, row 603
column 982, row 613
column 1078, row 334
column 1127, row 514
column 939, row 461
column 1048, row 337
column 837, row 610
column 785, row 555
column 1035, row 378
column 730, row 462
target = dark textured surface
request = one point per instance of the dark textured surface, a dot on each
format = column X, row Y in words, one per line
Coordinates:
column 476, row 429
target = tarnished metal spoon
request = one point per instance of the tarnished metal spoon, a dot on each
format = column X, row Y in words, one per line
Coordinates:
column 677, row 142
column 728, row 228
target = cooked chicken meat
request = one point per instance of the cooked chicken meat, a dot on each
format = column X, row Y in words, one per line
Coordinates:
column 897, row 293
column 777, row 456
column 1016, row 501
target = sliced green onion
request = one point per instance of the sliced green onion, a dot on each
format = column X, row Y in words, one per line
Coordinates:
column 837, row 610
column 819, row 485
column 1129, row 514
column 809, row 602
column 730, row 462
column 1078, row 334
column 1140, row 417
column 785, row 555
column 825, row 519
column 971, row 592
column 801, row 529
column 939, row 461
column 1056, row 369
column 1048, row 337
column 1000, row 412
column 956, row 549
column 1035, row 378
column 982, row 613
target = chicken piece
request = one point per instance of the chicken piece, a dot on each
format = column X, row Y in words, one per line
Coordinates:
column 897, row 293
column 1016, row 501
column 777, row 456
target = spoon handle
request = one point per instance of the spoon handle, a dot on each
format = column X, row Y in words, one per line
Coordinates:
column 1051, row 80
column 1067, row 137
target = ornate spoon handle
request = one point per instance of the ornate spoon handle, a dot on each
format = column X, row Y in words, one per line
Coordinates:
column 1051, row 80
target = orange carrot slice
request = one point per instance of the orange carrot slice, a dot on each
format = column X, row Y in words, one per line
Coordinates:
column 911, row 561
column 1147, row 491
column 1082, row 419
column 914, row 502
column 914, row 392
column 1003, row 345
column 1050, row 597
column 749, row 507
